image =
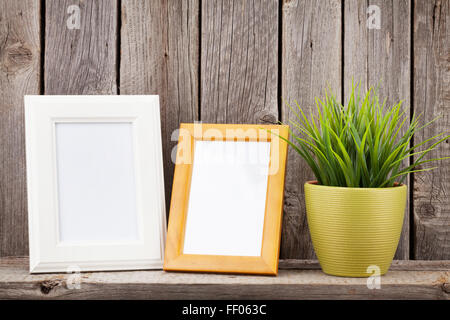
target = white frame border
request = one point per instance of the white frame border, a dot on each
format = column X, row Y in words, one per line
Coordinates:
column 46, row 253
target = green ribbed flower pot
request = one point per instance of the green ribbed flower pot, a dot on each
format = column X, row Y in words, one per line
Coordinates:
column 354, row 228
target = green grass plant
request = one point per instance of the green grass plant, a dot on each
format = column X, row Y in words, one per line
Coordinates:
column 361, row 144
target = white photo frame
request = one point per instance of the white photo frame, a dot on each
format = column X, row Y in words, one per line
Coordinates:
column 95, row 183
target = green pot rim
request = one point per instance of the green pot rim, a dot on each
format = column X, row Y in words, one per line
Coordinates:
column 315, row 184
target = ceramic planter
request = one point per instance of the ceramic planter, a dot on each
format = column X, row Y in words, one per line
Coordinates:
column 354, row 228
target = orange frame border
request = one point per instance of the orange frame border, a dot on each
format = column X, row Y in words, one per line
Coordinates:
column 267, row 263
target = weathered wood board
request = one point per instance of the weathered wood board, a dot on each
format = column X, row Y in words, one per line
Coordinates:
column 239, row 61
column 20, row 64
column 80, row 60
column 295, row 283
column 160, row 55
column 380, row 58
column 432, row 98
column 311, row 62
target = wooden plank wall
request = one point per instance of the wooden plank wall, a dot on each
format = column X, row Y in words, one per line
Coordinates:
column 81, row 61
column 381, row 57
column 239, row 61
column 20, row 71
column 432, row 97
column 231, row 61
column 160, row 55
column 311, row 62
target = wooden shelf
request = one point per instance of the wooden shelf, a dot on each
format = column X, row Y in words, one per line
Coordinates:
column 297, row 279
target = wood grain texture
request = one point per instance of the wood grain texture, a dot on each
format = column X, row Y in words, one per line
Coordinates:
column 311, row 62
column 19, row 75
column 17, row 283
column 432, row 97
column 81, row 61
column 160, row 55
column 397, row 265
column 380, row 57
column 239, row 54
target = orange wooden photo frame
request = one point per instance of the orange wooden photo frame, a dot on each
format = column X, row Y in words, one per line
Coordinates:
column 267, row 262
